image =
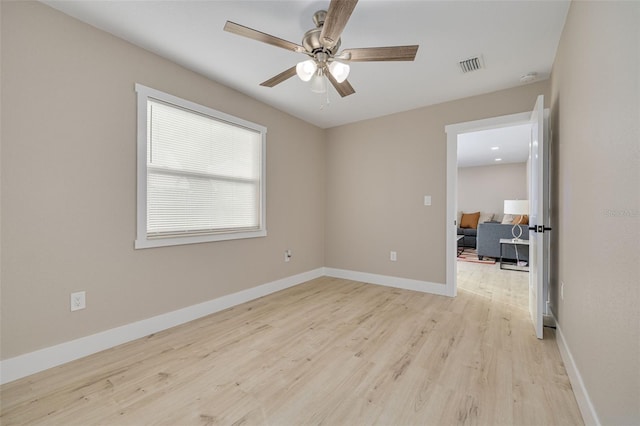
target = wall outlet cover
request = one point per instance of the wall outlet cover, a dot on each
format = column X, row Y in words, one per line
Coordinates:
column 78, row 301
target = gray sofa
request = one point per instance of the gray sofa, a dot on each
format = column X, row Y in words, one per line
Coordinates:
column 488, row 241
column 469, row 239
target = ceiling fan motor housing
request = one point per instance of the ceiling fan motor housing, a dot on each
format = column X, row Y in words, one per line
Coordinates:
column 311, row 40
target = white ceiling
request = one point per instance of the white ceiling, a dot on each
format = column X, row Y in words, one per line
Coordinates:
column 514, row 38
column 508, row 144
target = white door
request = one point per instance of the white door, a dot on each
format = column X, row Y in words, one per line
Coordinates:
column 538, row 216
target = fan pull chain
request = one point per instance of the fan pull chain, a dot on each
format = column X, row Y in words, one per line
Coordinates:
column 327, row 101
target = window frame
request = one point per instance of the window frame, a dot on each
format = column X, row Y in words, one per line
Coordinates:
column 142, row 241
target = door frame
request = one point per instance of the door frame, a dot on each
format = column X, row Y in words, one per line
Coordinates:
column 453, row 130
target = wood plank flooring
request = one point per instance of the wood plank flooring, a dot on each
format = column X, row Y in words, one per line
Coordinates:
column 330, row 351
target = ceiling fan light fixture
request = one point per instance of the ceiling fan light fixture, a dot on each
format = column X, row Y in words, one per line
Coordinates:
column 318, row 82
column 339, row 71
column 322, row 45
column 306, row 69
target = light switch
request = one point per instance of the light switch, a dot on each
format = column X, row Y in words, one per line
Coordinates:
column 427, row 200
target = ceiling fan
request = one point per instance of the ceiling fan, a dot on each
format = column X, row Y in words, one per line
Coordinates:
column 321, row 44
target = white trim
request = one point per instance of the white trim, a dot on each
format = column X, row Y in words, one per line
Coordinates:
column 33, row 362
column 148, row 92
column 588, row 411
column 489, row 123
column 195, row 239
column 453, row 130
column 403, row 283
column 24, row 365
column 451, row 226
column 142, row 241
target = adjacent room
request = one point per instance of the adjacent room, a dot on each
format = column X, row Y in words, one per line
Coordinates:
column 226, row 212
column 493, row 172
column 493, row 169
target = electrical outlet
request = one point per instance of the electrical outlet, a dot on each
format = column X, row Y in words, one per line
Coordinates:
column 287, row 255
column 78, row 301
column 562, row 290
column 393, row 256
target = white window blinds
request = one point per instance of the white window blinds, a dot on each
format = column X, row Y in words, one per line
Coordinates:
column 203, row 174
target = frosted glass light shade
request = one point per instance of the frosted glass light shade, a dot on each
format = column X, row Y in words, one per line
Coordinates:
column 306, row 69
column 318, row 83
column 339, row 71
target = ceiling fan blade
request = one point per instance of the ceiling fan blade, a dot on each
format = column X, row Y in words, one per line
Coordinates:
column 337, row 17
column 241, row 30
column 344, row 88
column 284, row 75
column 390, row 53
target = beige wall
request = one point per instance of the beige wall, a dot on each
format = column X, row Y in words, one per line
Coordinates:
column 596, row 127
column 484, row 188
column 68, row 190
column 69, row 187
column 378, row 172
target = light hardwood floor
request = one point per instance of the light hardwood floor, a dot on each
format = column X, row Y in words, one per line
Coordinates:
column 329, row 351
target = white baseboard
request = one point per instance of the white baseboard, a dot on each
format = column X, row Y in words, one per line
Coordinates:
column 588, row 411
column 24, row 365
column 403, row 283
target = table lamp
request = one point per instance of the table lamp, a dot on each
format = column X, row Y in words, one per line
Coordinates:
column 516, row 207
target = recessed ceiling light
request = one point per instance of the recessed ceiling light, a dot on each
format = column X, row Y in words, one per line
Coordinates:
column 498, row 159
column 495, row 148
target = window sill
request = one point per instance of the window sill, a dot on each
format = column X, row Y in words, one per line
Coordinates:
column 143, row 243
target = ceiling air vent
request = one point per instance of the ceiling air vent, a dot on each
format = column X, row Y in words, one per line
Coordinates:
column 471, row 64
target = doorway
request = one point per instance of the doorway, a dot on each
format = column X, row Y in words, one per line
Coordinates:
column 538, row 204
column 493, row 170
column 453, row 133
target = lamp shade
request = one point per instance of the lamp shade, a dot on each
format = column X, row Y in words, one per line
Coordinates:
column 306, row 69
column 339, row 71
column 318, row 83
column 516, row 207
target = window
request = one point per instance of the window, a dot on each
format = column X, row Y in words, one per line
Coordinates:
column 200, row 173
